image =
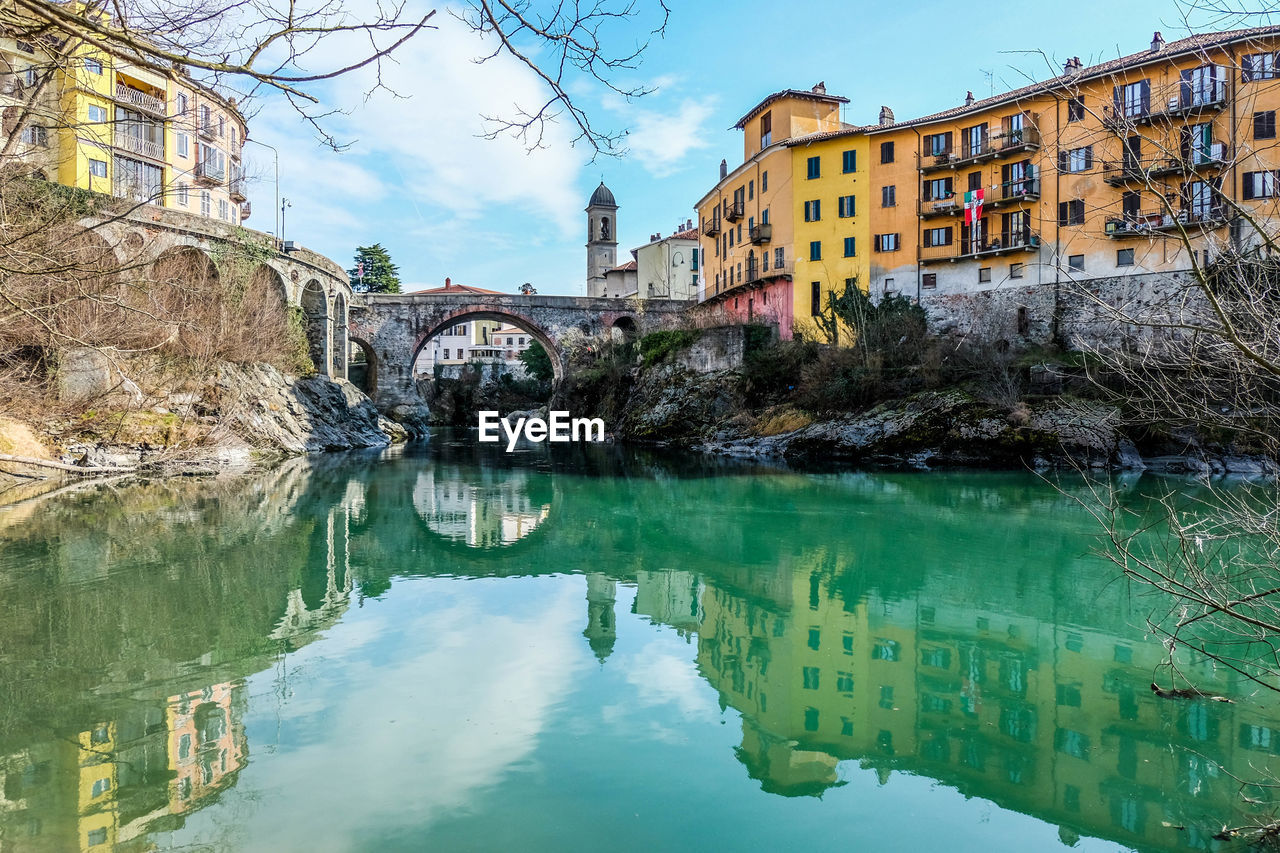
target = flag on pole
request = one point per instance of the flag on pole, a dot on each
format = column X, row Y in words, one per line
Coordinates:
column 973, row 214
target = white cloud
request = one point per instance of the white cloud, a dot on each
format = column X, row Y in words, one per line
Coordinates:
column 662, row 140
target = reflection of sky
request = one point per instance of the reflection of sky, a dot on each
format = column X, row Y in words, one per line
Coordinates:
column 469, row 714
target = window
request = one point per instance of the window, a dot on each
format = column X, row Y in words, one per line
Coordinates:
column 1072, row 743
column 764, row 216
column 766, row 132
column 815, row 308
column 183, row 194
column 845, row 205
column 886, row 696
column 751, row 190
column 844, row 682
column 100, row 787
column 97, row 114
column 937, row 144
column 938, row 189
column 883, row 649
column 975, row 180
column 764, row 182
column 984, row 274
column 93, row 66
column 1264, row 125
column 886, row 152
column 1076, row 160
column 815, row 167
column 886, row 242
column 206, row 203
column 34, row 134
column 929, row 280
column 24, row 46
column 850, row 247
column 846, row 643
column 1258, row 66
column 810, row 719
column 1071, row 212
column 1015, row 270
column 1134, row 99
column 888, row 286
column 98, row 168
column 224, row 210
column 811, row 677
column 815, row 250
column 1124, row 257
column 849, row 161
column 97, row 836
column 1024, row 329
column 1075, row 109
column 1259, row 185
column 937, row 237
column 181, row 103
column 222, row 126
column 812, row 210
column 1075, row 263
column 184, row 145
column 777, row 258
column 888, row 196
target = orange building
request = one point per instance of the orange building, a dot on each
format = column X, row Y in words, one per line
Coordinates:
column 1116, row 170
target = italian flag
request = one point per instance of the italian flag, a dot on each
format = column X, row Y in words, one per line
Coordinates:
column 973, row 211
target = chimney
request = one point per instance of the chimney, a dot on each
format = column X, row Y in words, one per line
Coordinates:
column 1157, row 42
column 820, row 88
column 886, row 116
column 968, row 99
column 1072, row 66
column 447, row 282
column 724, row 170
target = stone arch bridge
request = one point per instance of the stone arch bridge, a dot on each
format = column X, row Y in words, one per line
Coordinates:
column 303, row 279
column 393, row 329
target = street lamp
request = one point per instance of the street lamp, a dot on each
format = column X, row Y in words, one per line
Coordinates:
column 284, row 202
column 276, row 154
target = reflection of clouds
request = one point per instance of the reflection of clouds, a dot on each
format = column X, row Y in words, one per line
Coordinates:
column 481, row 514
column 374, row 739
column 661, row 677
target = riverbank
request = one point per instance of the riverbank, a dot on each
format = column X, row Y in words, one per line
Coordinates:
column 786, row 401
column 244, row 416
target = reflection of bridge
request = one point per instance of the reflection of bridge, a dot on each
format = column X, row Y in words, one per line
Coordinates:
column 392, row 330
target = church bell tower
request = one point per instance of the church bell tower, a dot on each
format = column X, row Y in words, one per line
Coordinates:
column 602, row 238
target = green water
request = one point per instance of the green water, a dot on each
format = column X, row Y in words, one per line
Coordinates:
column 596, row 650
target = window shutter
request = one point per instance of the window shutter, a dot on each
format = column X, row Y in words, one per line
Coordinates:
column 1246, row 67
column 1115, row 100
column 1146, row 96
column 946, row 141
column 1063, row 215
column 947, row 185
column 1247, row 190
column 1088, row 156
column 1062, row 161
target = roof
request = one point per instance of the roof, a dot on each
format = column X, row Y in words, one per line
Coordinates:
column 798, row 94
column 627, row 267
column 1192, row 44
column 602, row 197
column 509, row 330
column 450, row 287
column 687, row 234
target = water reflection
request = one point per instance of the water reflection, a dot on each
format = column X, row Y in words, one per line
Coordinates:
column 948, row 626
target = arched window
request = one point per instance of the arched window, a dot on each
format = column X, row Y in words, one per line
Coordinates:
column 604, row 228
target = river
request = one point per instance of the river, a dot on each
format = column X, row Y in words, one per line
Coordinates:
column 448, row 648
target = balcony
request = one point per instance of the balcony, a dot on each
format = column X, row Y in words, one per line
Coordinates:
column 210, row 173
column 1183, row 99
column 1005, row 244
column 245, row 209
column 711, row 225
column 138, row 145
column 761, row 233
column 758, row 272
column 944, row 207
column 137, row 98
column 1145, row 223
column 734, row 210
column 208, row 130
column 989, row 147
column 1119, row 173
column 236, row 187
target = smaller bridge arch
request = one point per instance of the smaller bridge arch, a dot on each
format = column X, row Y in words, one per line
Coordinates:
column 469, row 314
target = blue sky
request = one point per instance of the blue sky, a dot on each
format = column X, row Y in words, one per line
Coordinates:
column 419, row 180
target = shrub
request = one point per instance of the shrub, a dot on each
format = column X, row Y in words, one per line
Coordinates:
column 657, row 347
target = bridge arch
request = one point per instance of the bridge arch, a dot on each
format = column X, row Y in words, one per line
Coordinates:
column 340, row 337
column 366, row 379
column 471, row 314
column 315, row 311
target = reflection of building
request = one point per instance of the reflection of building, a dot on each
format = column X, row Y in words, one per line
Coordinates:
column 602, row 622
column 118, row 780
column 481, row 514
column 670, row 598
column 1044, row 717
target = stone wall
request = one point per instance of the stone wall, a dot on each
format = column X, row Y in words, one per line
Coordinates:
column 1071, row 313
column 719, row 348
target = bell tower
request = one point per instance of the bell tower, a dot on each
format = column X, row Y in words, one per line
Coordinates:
column 602, row 238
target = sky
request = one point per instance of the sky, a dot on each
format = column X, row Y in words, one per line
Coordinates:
column 419, row 178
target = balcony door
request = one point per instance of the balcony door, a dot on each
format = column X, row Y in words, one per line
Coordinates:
column 1203, row 85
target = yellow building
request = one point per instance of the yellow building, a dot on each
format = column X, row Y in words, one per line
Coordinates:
column 832, row 226
column 1099, row 173
column 747, row 220
column 104, row 124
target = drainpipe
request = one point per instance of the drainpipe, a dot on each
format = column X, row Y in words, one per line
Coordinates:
column 919, row 176
column 1235, row 193
column 1055, row 322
